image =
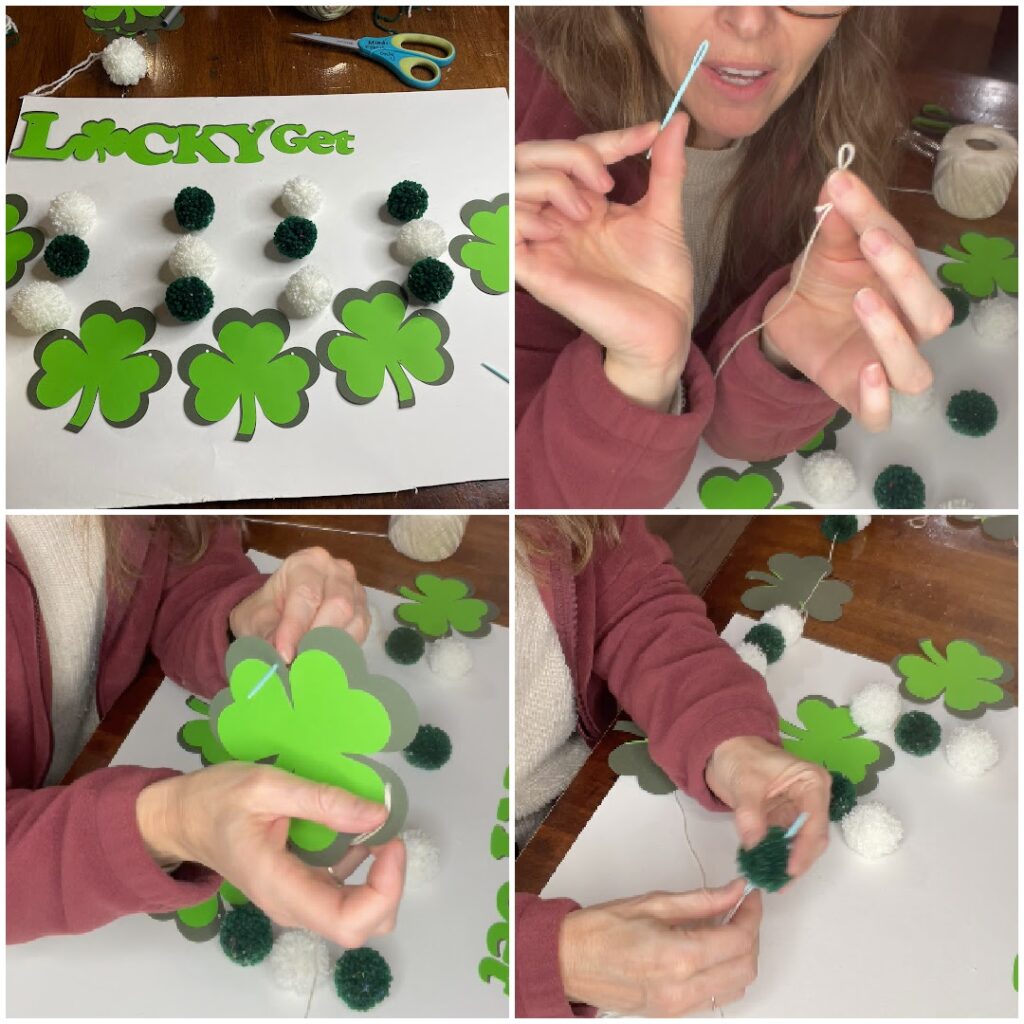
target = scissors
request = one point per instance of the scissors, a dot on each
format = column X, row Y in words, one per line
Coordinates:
column 395, row 55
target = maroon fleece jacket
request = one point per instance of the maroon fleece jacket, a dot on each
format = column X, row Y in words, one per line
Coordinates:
column 75, row 858
column 634, row 636
column 580, row 442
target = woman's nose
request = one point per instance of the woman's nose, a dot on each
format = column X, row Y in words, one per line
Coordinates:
column 746, row 22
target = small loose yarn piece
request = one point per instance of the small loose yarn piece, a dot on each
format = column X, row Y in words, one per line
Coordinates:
column 958, row 503
column 994, row 320
column 828, row 477
column 875, row 707
column 430, row 280
column 404, row 645
column 972, row 413
column 961, row 303
column 301, row 197
column 308, row 292
column 787, row 620
column 974, row 170
column 419, row 239
column 430, row 750
column 449, row 657
column 41, row 306
column 899, row 487
column 66, row 256
column 971, row 750
column 752, row 656
column 188, row 299
column 246, row 935
column 422, row 858
column 194, row 208
column 298, row 960
column 71, row 213
column 362, row 978
column 843, row 797
column 768, row 639
column 124, row 61
column 917, row 733
column 872, row 830
column 906, row 406
column 765, row 864
column 407, row 200
column 295, row 237
column 427, row 538
column 839, row 528
column 192, row 257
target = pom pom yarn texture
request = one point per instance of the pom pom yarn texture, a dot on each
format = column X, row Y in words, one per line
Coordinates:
column 404, row 645
column 246, row 935
column 194, row 207
column 72, row 213
column 407, row 200
column 430, row 280
column 872, row 830
column 192, row 257
column 301, row 197
column 308, row 291
column 917, row 733
column 124, row 61
column 41, row 306
column 430, row 749
column 188, row 299
column 66, row 256
column 765, row 863
column 899, row 487
column 828, row 477
column 419, row 239
column 971, row 750
column 362, row 978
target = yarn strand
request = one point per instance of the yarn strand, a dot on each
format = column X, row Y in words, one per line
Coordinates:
column 843, row 160
column 49, row 90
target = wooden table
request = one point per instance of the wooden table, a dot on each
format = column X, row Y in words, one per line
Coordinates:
column 482, row 558
column 245, row 51
column 911, row 578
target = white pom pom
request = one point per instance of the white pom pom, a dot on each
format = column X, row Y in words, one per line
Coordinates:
column 72, row 213
column 995, row 320
column 308, row 291
column 955, row 503
column 449, row 657
column 908, row 406
column 863, row 522
column 872, row 830
column 971, row 750
column 787, row 620
column 297, row 960
column 418, row 239
column 40, row 307
column 124, row 60
column 301, row 197
column 753, row 656
column 876, row 707
column 422, row 858
column 192, row 257
column 829, row 478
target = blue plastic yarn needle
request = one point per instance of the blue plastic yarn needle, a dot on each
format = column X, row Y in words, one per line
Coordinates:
column 259, row 686
column 497, row 373
column 698, row 58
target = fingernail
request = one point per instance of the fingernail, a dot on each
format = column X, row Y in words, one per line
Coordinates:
column 877, row 242
column 838, row 183
column 873, row 375
column 867, row 301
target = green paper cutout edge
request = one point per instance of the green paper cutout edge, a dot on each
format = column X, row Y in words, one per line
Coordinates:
column 495, row 966
column 633, row 758
column 36, row 237
column 341, row 300
column 128, row 27
column 995, row 527
column 721, row 474
column 966, row 262
column 145, row 319
column 226, row 897
column 802, row 564
column 827, row 434
column 455, row 248
column 489, row 614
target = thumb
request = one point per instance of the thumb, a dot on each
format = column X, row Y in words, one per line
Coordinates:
column 664, row 199
column 329, row 805
column 751, row 824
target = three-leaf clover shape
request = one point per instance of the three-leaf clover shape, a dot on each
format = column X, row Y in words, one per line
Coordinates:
column 800, row 582
column 102, row 363
column 967, row 677
column 249, row 370
column 985, row 265
column 379, row 340
column 485, row 251
column 634, row 758
column 316, row 719
column 831, row 738
column 201, row 922
column 197, row 736
column 24, row 244
column 128, row 21
column 442, row 605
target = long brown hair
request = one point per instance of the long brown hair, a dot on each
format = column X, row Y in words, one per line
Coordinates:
column 540, row 537
column 601, row 58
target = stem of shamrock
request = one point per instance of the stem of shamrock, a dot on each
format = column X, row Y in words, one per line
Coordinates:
column 931, row 652
column 84, row 409
column 247, row 422
column 401, row 382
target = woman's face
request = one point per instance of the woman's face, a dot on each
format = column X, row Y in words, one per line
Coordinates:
column 757, row 58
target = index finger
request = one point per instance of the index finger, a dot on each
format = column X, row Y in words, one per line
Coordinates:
column 301, row 603
column 707, row 946
column 810, row 842
column 860, row 207
column 614, row 146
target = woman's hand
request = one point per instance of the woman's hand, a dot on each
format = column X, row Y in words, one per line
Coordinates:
column 765, row 786
column 661, row 955
column 234, row 819
column 863, row 306
column 621, row 273
column 309, row 588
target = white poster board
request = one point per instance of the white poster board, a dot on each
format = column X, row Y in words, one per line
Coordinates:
column 930, row 931
column 140, row 967
column 981, row 470
column 454, row 143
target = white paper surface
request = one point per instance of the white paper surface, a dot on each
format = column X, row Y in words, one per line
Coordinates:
column 454, row 143
column 929, row 931
column 139, row 967
column 982, row 470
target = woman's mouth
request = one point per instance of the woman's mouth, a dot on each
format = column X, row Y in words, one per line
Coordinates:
column 738, row 81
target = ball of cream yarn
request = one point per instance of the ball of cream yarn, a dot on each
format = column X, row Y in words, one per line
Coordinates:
column 427, row 538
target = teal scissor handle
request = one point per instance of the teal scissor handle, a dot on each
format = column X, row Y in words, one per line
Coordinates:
column 393, row 53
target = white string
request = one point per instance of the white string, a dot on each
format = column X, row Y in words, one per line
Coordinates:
column 49, row 90
column 387, row 807
column 807, row 600
column 843, row 160
column 314, row 526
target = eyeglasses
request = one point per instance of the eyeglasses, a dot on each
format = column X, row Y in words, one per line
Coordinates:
column 817, row 12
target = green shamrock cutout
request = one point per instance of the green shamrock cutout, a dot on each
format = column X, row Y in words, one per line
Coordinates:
column 634, row 758
column 800, row 582
column 485, row 251
column 969, row 680
column 825, row 439
column 197, row 736
column 128, row 21
column 201, row 922
column 758, row 486
column 316, row 719
column 23, row 244
column 499, row 833
column 380, row 340
column 831, row 738
column 495, row 966
column 104, row 363
column 443, row 605
column 986, row 265
column 249, row 370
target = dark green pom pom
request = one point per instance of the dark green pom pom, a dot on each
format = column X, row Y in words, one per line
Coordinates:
column 765, row 864
column 246, row 935
column 917, row 733
column 188, row 299
column 194, row 208
column 407, row 201
column 430, row 749
column 405, row 645
column 960, row 302
column 843, row 798
column 972, row 413
column 899, row 487
column 362, row 978
column 768, row 639
column 295, row 237
column 430, row 280
column 66, row 256
column 839, row 528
